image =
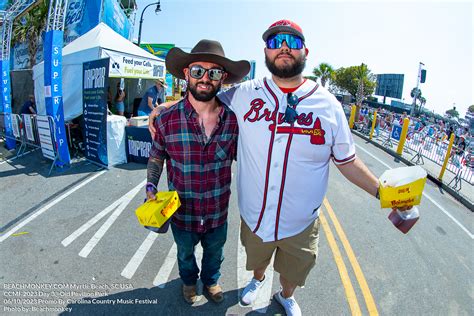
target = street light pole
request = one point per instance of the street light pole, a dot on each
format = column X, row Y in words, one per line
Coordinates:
column 158, row 9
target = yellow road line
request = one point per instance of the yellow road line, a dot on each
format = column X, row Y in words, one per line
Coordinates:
column 346, row 281
column 369, row 300
column 19, row 234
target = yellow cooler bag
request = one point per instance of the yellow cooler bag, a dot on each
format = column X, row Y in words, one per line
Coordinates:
column 402, row 187
column 155, row 213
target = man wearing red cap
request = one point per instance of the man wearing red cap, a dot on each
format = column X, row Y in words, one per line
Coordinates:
column 289, row 130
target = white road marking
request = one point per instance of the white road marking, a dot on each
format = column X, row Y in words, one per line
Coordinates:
column 68, row 240
column 165, row 271
column 428, row 196
column 139, row 255
column 124, row 201
column 49, row 205
column 243, row 278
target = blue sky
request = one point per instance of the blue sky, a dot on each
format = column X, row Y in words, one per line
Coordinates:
column 390, row 37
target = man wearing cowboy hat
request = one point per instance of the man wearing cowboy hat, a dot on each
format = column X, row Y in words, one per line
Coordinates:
column 153, row 97
column 198, row 140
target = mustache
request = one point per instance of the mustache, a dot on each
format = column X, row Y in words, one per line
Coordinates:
column 286, row 55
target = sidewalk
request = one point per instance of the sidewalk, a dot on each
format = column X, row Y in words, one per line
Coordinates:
column 465, row 195
column 4, row 153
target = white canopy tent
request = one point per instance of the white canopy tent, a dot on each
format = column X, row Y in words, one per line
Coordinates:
column 126, row 61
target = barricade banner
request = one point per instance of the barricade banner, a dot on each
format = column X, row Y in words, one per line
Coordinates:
column 28, row 127
column 45, row 137
column 15, row 127
column 53, row 91
column 5, row 104
column 94, row 96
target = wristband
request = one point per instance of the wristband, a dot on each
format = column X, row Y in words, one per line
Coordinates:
column 377, row 195
column 150, row 187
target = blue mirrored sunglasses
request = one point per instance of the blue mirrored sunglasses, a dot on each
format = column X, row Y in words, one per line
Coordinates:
column 290, row 112
column 292, row 41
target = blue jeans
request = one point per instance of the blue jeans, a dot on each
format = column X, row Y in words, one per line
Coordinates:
column 212, row 243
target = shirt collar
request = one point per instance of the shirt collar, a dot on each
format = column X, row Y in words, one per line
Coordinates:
column 190, row 111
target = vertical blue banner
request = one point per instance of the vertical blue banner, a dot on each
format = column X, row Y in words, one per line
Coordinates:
column 53, row 91
column 5, row 104
column 95, row 81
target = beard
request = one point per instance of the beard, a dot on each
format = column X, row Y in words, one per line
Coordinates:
column 286, row 71
column 203, row 96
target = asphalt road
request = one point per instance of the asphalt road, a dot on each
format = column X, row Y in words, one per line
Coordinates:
column 72, row 241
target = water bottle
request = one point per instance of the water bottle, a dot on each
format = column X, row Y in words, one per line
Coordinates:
column 404, row 221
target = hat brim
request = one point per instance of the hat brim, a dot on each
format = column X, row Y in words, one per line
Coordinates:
column 176, row 60
column 281, row 29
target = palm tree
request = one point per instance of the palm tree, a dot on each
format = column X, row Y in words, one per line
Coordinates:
column 29, row 28
column 324, row 71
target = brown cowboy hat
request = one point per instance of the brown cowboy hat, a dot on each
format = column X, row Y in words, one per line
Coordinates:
column 206, row 51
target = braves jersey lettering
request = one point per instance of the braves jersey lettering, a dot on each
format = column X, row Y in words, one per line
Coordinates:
column 255, row 114
column 283, row 168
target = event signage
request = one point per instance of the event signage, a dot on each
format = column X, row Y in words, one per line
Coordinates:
column 94, row 96
column 28, row 127
column 81, row 17
column 15, row 127
column 139, row 144
column 53, row 92
column 159, row 50
column 114, row 17
column 396, row 132
column 45, row 137
column 5, row 104
column 123, row 65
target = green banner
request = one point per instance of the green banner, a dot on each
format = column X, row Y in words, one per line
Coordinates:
column 159, row 50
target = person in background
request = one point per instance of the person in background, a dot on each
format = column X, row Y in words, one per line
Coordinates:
column 29, row 107
column 119, row 100
column 153, row 97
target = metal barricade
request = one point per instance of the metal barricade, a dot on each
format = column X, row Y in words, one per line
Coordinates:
column 46, row 134
column 16, row 124
column 30, row 131
column 435, row 150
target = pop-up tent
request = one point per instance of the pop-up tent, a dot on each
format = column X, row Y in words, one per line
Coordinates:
column 126, row 61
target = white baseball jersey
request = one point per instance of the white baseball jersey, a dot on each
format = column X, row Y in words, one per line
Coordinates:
column 282, row 168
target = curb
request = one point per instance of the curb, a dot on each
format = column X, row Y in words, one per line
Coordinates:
column 458, row 196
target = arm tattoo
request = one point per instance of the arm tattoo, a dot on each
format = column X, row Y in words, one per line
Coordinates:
column 154, row 170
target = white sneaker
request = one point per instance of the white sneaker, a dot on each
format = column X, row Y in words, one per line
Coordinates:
column 249, row 294
column 289, row 304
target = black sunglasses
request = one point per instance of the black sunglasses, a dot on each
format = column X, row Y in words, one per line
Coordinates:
column 290, row 112
column 197, row 72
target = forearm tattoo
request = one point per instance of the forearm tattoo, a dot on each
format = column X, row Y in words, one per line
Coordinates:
column 154, row 170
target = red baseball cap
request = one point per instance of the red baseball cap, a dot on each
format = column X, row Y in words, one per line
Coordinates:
column 283, row 26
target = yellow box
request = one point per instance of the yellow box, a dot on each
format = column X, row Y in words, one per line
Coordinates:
column 155, row 213
column 405, row 195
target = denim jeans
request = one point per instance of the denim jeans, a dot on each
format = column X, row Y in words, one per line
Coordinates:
column 212, row 243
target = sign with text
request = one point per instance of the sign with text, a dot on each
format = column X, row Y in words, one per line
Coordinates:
column 128, row 66
column 28, row 127
column 94, row 96
column 53, row 86
column 45, row 137
column 5, row 103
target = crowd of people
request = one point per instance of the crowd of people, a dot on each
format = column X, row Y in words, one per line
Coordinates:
column 421, row 127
